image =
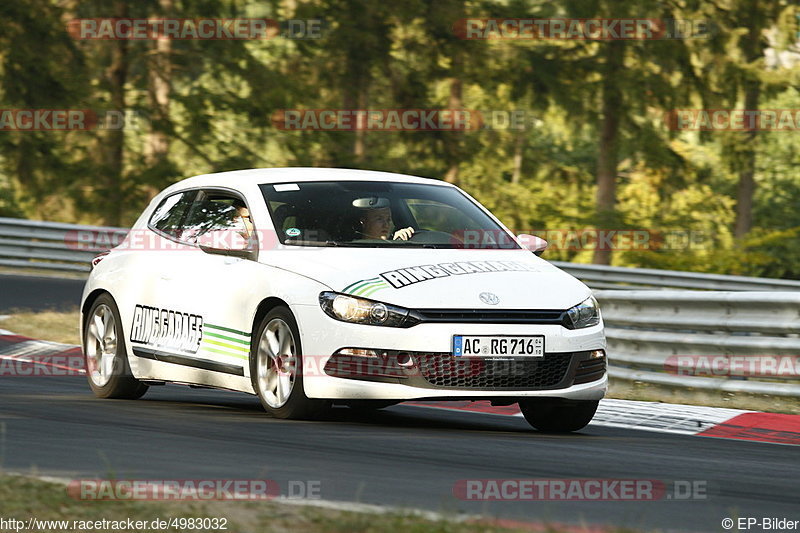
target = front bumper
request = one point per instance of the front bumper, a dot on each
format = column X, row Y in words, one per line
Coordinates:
column 436, row 374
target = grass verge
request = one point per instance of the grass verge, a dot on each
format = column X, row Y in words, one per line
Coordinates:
column 648, row 392
column 56, row 326
column 26, row 498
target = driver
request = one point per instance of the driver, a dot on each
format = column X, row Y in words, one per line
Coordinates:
column 376, row 223
column 242, row 221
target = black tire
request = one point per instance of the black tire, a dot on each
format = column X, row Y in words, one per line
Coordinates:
column 295, row 405
column 119, row 382
column 558, row 415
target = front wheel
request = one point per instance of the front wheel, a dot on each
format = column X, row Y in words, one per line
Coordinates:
column 107, row 367
column 276, row 369
column 558, row 415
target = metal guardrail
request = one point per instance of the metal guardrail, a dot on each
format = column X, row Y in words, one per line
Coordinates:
column 726, row 341
column 53, row 246
column 646, row 329
column 609, row 277
column 70, row 247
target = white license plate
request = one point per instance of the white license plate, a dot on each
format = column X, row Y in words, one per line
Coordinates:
column 498, row 345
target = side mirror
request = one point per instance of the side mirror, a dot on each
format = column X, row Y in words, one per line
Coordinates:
column 244, row 253
column 228, row 242
column 535, row 244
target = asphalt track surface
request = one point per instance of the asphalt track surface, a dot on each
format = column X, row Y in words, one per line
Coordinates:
column 406, row 456
column 38, row 293
column 401, row 456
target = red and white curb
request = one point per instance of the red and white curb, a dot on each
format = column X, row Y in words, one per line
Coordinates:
column 678, row 419
column 643, row 416
column 61, row 358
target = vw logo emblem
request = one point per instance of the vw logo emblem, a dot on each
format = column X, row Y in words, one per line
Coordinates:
column 489, row 298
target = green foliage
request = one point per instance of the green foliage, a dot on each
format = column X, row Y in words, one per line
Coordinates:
column 223, row 97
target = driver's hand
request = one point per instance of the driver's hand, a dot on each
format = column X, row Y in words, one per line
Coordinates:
column 403, row 234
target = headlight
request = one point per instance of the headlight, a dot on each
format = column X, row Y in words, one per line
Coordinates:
column 361, row 311
column 584, row 315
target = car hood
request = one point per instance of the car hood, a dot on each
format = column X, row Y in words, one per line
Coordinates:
column 430, row 278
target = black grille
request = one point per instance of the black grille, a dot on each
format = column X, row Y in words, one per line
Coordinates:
column 590, row 370
column 444, row 370
column 492, row 316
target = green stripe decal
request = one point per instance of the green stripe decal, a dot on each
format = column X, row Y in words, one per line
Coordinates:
column 368, row 292
column 226, row 345
column 224, row 337
column 370, row 287
column 358, row 287
column 229, row 330
column 356, row 283
column 213, row 350
column 354, row 287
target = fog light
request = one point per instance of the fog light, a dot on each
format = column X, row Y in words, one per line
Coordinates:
column 597, row 354
column 404, row 360
column 358, row 351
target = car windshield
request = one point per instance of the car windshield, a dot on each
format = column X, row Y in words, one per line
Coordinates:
column 380, row 214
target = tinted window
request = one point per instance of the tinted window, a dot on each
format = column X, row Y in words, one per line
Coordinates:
column 368, row 213
column 213, row 212
column 170, row 212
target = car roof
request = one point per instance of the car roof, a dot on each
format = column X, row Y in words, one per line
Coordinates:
column 256, row 176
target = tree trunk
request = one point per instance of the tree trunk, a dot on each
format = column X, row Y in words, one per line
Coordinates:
column 359, row 145
column 608, row 149
column 113, row 141
column 753, row 49
column 159, row 77
column 519, row 151
column 747, row 160
column 354, row 96
column 453, row 139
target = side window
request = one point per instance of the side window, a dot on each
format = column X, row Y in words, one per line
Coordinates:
column 214, row 211
column 170, row 212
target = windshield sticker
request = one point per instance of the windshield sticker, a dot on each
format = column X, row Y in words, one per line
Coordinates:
column 292, row 232
column 403, row 277
column 283, row 187
column 165, row 328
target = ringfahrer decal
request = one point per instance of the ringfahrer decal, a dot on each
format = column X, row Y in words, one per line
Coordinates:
column 403, row 277
column 166, row 328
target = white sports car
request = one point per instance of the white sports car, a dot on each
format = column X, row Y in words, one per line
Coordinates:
column 312, row 286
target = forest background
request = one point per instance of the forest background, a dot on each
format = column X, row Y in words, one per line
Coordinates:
column 597, row 151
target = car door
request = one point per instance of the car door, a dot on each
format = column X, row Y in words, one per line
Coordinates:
column 149, row 250
column 205, row 300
